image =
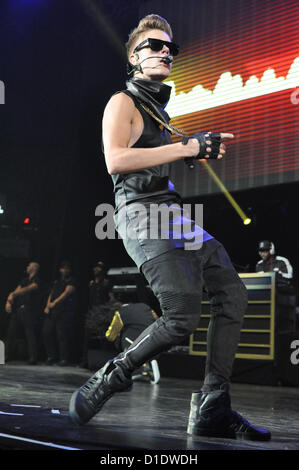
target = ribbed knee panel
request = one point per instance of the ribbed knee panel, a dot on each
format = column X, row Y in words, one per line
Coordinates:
column 181, row 312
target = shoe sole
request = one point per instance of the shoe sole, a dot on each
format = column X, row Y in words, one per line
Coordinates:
column 72, row 410
column 75, row 416
column 195, row 431
column 156, row 372
column 247, row 437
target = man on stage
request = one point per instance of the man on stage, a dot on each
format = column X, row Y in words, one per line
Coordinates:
column 138, row 151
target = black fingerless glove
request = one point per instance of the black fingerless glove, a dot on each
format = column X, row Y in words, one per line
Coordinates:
column 202, row 137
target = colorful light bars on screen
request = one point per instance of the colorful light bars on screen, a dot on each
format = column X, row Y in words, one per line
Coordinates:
column 230, row 89
column 245, row 81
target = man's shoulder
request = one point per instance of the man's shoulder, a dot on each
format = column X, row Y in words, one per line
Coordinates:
column 27, row 281
column 282, row 258
column 121, row 98
column 285, row 261
column 120, row 108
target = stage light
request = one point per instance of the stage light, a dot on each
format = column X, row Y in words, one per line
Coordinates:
column 1, row 210
column 229, row 197
column 26, row 220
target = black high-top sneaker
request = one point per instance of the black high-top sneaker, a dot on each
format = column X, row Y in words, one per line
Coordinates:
column 89, row 399
column 211, row 415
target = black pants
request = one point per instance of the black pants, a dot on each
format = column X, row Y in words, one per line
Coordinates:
column 56, row 334
column 26, row 320
column 177, row 279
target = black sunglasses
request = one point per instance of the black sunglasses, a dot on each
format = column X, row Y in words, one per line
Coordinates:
column 157, row 45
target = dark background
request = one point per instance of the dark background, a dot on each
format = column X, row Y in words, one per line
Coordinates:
column 60, row 66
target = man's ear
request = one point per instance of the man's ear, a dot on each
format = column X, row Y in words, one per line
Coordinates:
column 133, row 59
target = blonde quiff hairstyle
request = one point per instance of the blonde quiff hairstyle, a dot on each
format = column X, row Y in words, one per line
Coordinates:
column 145, row 24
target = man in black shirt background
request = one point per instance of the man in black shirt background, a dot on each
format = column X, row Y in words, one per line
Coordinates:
column 285, row 312
column 271, row 262
column 98, row 286
column 23, row 304
column 59, row 316
column 99, row 295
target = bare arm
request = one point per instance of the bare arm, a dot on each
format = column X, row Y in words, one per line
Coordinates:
column 47, row 307
column 24, row 290
column 18, row 291
column 12, row 294
column 49, row 299
column 117, row 133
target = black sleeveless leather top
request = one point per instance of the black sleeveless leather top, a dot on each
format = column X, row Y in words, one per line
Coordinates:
column 150, row 186
column 150, row 183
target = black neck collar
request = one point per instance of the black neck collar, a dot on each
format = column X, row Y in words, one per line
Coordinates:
column 153, row 93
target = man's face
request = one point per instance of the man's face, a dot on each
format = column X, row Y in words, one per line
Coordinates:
column 264, row 254
column 32, row 268
column 153, row 67
column 97, row 270
column 64, row 271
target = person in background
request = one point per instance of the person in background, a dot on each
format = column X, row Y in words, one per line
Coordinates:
column 99, row 294
column 272, row 262
column 285, row 311
column 128, row 322
column 98, row 286
column 23, row 304
column 59, row 313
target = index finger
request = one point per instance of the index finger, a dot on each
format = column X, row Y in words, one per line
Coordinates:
column 225, row 135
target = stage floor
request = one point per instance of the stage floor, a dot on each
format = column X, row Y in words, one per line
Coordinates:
column 34, row 414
